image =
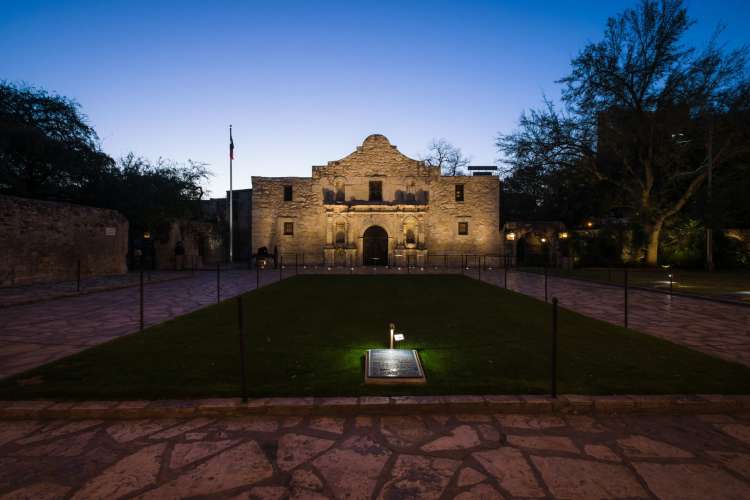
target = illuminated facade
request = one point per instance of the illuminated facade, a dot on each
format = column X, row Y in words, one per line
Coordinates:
column 376, row 206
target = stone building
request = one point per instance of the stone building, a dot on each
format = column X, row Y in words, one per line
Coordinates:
column 377, row 207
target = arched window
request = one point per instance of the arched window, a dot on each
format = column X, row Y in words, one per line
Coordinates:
column 411, row 189
column 410, row 238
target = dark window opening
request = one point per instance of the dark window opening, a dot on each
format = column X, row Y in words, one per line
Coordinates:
column 288, row 228
column 376, row 190
column 287, row 193
column 463, row 228
column 459, row 192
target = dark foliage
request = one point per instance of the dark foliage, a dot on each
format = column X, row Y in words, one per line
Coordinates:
column 49, row 151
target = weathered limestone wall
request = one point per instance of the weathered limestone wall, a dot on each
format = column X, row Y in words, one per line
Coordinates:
column 270, row 212
column 331, row 210
column 201, row 240
column 41, row 241
column 480, row 209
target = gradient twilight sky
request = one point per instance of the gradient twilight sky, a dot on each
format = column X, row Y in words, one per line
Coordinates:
column 305, row 82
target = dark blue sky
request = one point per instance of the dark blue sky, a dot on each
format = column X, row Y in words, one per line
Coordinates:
column 306, row 82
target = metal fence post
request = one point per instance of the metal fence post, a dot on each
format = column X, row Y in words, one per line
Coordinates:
column 553, row 373
column 218, row 282
column 241, row 324
column 281, row 267
column 546, row 276
column 670, row 283
column 505, row 269
column 626, row 296
column 78, row 276
column 141, row 300
column 479, row 267
column 257, row 274
column 296, row 265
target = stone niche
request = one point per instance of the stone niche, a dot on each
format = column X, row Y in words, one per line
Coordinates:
column 42, row 241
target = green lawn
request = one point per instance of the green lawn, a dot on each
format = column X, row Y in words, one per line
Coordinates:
column 307, row 336
column 733, row 285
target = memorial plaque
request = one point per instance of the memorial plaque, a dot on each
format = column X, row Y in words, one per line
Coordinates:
column 393, row 366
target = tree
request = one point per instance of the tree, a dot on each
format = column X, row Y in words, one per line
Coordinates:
column 450, row 159
column 149, row 193
column 47, row 148
column 644, row 117
column 49, row 151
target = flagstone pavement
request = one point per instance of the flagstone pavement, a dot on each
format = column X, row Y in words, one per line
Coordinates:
column 34, row 334
column 481, row 456
column 716, row 328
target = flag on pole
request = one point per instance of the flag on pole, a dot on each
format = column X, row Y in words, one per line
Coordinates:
column 231, row 144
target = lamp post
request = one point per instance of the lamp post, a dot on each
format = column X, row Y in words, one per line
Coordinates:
column 392, row 329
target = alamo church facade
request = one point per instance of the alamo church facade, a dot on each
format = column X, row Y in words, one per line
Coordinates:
column 376, row 206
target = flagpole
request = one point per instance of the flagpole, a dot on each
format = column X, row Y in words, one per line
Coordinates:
column 231, row 206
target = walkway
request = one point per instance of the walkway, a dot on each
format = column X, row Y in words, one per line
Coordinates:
column 26, row 294
column 452, row 456
column 35, row 334
column 719, row 329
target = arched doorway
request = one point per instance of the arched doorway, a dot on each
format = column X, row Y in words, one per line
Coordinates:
column 375, row 247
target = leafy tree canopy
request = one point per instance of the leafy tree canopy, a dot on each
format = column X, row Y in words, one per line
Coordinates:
column 644, row 119
column 48, row 150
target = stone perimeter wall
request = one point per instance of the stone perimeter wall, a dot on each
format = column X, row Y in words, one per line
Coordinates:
column 417, row 200
column 41, row 241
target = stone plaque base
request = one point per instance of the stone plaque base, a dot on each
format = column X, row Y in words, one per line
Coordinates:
column 393, row 366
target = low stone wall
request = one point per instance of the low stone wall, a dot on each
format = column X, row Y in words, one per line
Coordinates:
column 42, row 241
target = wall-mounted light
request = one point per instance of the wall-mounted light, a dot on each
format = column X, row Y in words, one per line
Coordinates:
column 544, row 240
column 146, row 235
column 510, row 236
column 589, row 224
column 563, row 235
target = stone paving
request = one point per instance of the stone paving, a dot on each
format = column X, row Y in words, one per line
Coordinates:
column 34, row 334
column 26, row 294
column 719, row 329
column 462, row 456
